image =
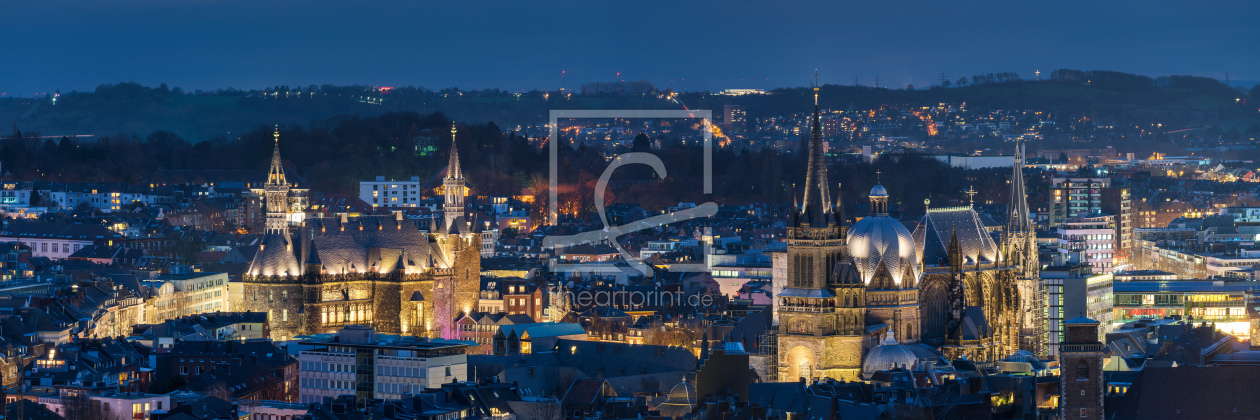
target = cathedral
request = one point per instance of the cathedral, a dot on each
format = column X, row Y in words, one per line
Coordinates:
column 872, row 295
column 384, row 271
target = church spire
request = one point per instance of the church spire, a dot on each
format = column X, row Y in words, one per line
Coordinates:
column 816, row 206
column 452, row 168
column 275, row 177
column 454, row 187
column 1019, row 219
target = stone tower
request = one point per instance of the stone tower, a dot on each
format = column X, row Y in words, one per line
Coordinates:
column 277, row 193
column 1020, row 242
column 1081, row 364
column 453, row 185
column 820, row 315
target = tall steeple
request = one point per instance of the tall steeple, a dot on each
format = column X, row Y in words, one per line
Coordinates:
column 454, row 187
column 816, row 207
column 1019, row 219
column 276, row 174
column 277, row 193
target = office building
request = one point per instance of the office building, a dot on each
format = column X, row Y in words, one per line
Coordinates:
column 1089, row 240
column 356, row 361
column 1074, row 291
column 1089, row 197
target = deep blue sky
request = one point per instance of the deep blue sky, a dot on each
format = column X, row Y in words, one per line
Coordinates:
column 206, row 44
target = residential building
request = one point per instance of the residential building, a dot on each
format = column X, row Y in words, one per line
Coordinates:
column 539, row 337
column 481, row 327
column 57, row 240
column 180, row 295
column 391, row 193
column 1088, row 197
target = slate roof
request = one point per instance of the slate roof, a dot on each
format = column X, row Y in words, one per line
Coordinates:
column 275, row 257
column 974, row 325
column 43, row 230
column 1187, row 392
column 933, row 234
column 371, row 241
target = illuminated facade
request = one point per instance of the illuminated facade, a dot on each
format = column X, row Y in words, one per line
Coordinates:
column 821, row 314
column 947, row 285
column 380, row 271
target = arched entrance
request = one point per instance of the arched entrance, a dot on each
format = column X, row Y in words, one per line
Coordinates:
column 800, row 363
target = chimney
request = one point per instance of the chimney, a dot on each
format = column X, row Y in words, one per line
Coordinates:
column 345, row 218
column 398, row 215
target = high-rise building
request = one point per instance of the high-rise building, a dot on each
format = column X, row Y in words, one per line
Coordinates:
column 735, row 117
column 1074, row 290
column 1088, row 197
column 1089, row 240
column 1081, row 365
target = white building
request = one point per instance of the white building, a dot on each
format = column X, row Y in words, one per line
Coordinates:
column 400, row 365
column 180, row 295
column 1089, row 240
column 382, row 193
column 56, row 240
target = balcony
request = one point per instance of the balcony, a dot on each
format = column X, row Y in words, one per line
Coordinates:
column 807, row 308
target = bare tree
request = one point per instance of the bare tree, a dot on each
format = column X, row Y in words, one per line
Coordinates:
column 540, row 410
column 220, row 391
column 81, row 407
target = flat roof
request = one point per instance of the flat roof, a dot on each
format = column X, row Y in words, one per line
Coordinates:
column 1185, row 286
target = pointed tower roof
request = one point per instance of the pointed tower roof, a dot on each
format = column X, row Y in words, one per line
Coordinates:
column 276, row 174
column 1018, row 218
column 452, row 168
column 816, row 206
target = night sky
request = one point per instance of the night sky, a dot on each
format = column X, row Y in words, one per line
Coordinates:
column 680, row 44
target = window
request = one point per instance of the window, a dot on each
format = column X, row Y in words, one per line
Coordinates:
column 285, row 312
column 1082, row 372
column 183, row 370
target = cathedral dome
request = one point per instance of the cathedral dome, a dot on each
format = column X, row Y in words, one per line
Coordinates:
column 879, row 191
column 887, row 355
column 880, row 239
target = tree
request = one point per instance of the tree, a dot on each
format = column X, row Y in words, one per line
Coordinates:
column 1255, row 95
column 644, row 144
column 80, row 407
column 543, row 409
